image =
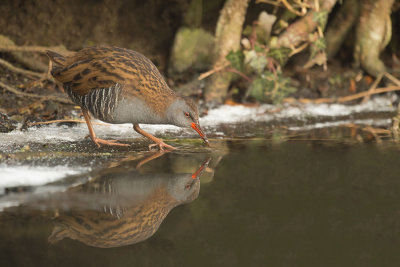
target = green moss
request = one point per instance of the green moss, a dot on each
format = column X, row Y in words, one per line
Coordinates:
column 191, row 49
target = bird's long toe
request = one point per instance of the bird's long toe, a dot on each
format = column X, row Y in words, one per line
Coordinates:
column 99, row 141
column 161, row 146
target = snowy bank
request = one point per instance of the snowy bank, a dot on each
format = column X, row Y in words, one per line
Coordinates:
column 301, row 113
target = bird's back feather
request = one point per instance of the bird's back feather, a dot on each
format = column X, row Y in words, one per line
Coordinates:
column 96, row 68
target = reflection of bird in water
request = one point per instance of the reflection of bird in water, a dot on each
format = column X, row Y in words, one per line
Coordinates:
column 126, row 206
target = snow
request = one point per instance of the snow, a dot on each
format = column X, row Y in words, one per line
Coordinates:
column 11, row 176
column 234, row 114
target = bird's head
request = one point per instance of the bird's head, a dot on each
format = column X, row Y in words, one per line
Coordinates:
column 183, row 113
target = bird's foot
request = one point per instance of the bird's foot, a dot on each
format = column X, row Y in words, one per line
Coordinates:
column 161, row 146
column 99, row 141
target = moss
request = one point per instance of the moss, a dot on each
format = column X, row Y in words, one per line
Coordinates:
column 191, row 49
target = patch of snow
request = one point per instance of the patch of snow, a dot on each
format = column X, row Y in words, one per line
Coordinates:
column 54, row 133
column 11, row 176
column 8, row 204
column 265, row 112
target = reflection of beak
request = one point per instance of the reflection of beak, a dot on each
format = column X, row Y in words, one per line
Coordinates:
column 201, row 169
column 197, row 128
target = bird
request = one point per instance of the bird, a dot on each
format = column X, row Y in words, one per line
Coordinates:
column 118, row 85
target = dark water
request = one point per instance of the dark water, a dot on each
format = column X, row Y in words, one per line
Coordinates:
column 257, row 203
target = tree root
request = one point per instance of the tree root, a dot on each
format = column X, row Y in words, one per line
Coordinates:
column 373, row 33
column 227, row 38
column 341, row 25
column 300, row 30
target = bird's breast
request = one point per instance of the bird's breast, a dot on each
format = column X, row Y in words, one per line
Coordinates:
column 135, row 110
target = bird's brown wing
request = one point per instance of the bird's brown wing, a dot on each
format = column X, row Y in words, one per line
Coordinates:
column 102, row 67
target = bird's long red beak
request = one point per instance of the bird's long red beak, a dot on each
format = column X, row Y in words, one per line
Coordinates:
column 197, row 128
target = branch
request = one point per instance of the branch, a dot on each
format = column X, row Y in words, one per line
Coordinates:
column 214, row 70
column 11, row 67
column 362, row 94
column 392, row 78
column 40, row 49
column 241, row 74
column 372, row 88
column 298, row 31
column 291, row 9
column 224, row 68
column 345, row 98
column 42, row 97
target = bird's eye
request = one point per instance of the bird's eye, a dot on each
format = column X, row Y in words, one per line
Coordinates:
column 187, row 114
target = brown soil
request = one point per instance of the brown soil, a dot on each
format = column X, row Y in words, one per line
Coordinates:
column 75, row 24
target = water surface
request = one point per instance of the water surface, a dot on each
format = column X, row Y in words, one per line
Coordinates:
column 259, row 202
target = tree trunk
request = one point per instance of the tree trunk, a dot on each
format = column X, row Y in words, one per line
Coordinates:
column 341, row 25
column 374, row 31
column 298, row 32
column 228, row 34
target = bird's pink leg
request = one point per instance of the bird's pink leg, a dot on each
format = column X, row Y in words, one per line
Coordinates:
column 92, row 134
column 158, row 142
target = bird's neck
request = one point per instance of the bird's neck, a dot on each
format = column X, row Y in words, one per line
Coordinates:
column 173, row 109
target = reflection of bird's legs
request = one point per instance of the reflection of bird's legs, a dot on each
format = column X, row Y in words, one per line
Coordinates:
column 151, row 157
column 92, row 134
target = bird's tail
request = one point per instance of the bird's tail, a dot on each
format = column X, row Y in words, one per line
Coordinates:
column 56, row 58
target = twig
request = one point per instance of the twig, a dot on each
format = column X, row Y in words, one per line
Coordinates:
column 11, row 67
column 374, row 133
column 302, row 4
column 45, row 76
column 316, row 5
column 224, row 68
column 40, row 49
column 291, row 9
column 372, row 88
column 43, row 97
column 57, row 121
column 214, row 70
column 376, row 130
column 298, row 49
column 284, row 3
column 241, row 74
column 271, row 2
column 395, row 125
column 392, row 78
column 345, row 98
column 362, row 94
